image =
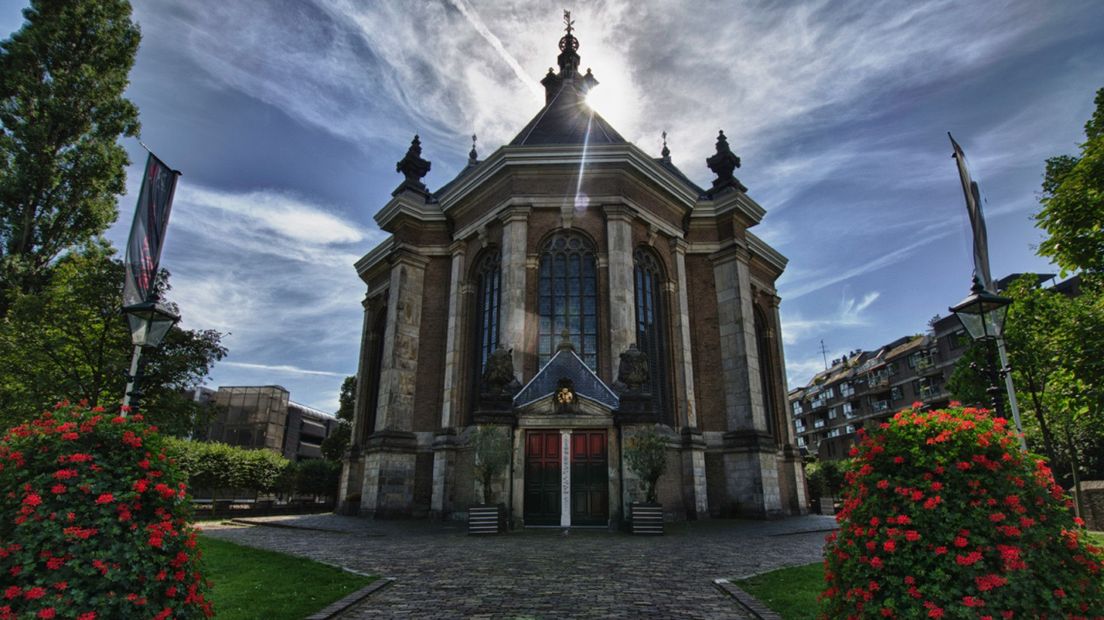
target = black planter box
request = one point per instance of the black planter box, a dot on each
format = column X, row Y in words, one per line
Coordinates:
column 486, row 519
column 647, row 519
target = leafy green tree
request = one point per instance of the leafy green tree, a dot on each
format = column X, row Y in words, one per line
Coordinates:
column 1073, row 202
column 334, row 446
column 62, row 110
column 70, row 342
column 492, row 456
column 646, row 456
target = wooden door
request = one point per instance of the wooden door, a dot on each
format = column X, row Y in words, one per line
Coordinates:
column 589, row 478
column 542, row 478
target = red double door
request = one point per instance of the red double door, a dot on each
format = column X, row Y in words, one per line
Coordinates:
column 589, row 479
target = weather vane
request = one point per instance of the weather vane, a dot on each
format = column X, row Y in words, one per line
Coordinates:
column 568, row 21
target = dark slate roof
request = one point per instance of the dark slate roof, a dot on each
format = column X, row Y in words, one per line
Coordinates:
column 567, row 119
column 565, row 364
column 666, row 163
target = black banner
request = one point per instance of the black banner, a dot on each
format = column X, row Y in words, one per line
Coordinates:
column 147, row 233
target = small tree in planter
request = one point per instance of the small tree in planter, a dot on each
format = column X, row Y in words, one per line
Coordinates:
column 646, row 456
column 492, row 456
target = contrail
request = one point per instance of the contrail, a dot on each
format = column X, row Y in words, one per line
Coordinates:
column 480, row 27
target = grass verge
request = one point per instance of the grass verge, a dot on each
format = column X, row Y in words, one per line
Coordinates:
column 251, row 583
column 791, row 592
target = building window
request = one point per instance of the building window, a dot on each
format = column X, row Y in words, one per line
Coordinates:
column 896, row 393
column 488, row 280
column 651, row 324
column 568, row 298
column 846, row 389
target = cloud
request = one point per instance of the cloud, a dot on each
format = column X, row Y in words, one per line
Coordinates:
column 849, row 313
column 284, row 369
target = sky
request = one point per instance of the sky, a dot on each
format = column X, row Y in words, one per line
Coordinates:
column 286, row 118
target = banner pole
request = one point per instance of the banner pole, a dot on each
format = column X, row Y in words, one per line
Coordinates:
column 131, row 378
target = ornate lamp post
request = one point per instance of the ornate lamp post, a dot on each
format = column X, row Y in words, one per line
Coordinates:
column 149, row 322
column 982, row 314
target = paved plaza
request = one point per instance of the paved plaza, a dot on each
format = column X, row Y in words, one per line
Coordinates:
column 441, row 572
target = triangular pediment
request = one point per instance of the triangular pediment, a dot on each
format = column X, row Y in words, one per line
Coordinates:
column 566, row 365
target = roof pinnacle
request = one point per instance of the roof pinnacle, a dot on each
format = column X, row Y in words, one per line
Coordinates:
column 666, row 152
column 473, row 156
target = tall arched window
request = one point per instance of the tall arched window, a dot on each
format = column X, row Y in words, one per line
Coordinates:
column 651, row 325
column 766, row 370
column 488, row 281
column 568, row 297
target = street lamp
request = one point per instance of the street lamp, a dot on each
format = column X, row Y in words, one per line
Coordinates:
column 982, row 314
column 149, row 322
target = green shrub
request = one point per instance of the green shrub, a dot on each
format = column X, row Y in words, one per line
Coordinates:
column 94, row 521
column 315, row 477
column 213, row 466
column 825, row 478
column 945, row 517
column 646, row 456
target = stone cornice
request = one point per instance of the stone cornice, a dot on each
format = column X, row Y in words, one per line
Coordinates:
column 576, row 155
column 411, row 205
column 373, row 257
column 769, row 255
column 730, row 251
column 730, row 202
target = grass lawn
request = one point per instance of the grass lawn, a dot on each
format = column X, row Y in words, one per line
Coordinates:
column 791, row 592
column 250, row 583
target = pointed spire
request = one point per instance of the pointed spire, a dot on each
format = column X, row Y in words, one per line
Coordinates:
column 723, row 163
column 473, row 156
column 666, row 152
column 413, row 167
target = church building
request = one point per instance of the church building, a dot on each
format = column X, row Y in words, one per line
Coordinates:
column 571, row 290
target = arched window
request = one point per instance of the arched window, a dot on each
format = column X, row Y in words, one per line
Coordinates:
column 488, row 282
column 568, row 297
column 766, row 370
column 651, row 325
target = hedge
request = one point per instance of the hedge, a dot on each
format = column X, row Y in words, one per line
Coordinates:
column 216, row 466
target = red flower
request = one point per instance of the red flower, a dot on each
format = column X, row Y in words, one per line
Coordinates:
column 890, row 546
column 13, row 592
column 36, row 592
column 105, row 498
column 32, row 499
column 969, row 559
column 47, row 613
column 88, row 615
column 960, row 542
column 58, row 489
column 972, row 601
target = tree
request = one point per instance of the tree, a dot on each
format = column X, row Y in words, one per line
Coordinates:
column 334, row 446
column 1073, row 202
column 70, row 342
column 646, row 456
column 62, row 110
column 492, row 456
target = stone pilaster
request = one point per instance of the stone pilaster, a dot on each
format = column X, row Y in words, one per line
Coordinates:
column 791, row 462
column 389, row 461
column 444, row 444
column 511, row 330
column 694, row 489
column 565, row 477
column 750, row 459
column 684, row 361
column 622, row 311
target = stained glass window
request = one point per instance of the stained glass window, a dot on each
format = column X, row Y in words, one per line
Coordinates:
column 568, row 297
column 651, row 325
column 488, row 276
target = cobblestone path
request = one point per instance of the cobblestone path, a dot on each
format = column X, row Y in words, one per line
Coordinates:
column 441, row 572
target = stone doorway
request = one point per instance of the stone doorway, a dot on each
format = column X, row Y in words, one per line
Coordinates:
column 542, row 478
column 589, row 478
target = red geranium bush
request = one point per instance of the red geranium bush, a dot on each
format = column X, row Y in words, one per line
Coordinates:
column 94, row 522
column 944, row 516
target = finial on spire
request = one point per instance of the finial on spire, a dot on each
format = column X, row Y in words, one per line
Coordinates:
column 568, row 59
column 413, row 167
column 568, row 22
column 722, row 163
column 666, row 152
column 473, row 157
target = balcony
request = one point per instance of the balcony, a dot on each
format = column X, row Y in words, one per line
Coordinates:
column 929, row 391
column 818, row 424
column 878, row 380
column 847, row 390
column 879, row 406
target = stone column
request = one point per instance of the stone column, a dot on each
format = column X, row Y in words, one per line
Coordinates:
column 791, row 455
column 352, row 465
column 511, row 328
column 445, row 444
column 390, row 451
column 622, row 310
column 751, row 472
column 684, row 360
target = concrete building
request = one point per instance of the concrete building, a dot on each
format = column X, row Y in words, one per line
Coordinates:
column 264, row 417
column 571, row 289
column 869, row 386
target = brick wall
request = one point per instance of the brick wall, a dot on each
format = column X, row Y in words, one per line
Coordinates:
column 431, row 345
column 705, row 336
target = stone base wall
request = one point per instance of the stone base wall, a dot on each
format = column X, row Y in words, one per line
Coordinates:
column 1092, row 504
